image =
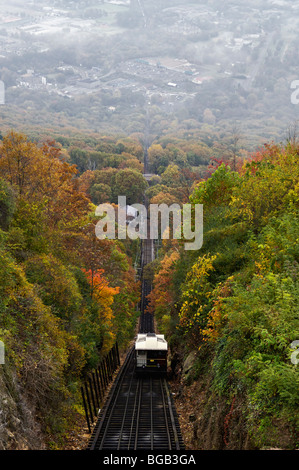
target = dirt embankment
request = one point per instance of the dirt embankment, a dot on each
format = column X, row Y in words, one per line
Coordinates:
column 207, row 422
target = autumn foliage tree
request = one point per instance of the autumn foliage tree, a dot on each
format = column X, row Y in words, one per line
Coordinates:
column 103, row 295
column 161, row 298
column 65, row 296
column 234, row 303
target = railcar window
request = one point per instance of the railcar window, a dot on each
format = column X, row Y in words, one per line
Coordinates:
column 156, row 354
column 141, row 353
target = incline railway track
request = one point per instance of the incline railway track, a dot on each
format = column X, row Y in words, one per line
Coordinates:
column 139, row 412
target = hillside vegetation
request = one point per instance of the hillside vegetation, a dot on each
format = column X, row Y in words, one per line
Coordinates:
column 65, row 296
column 230, row 310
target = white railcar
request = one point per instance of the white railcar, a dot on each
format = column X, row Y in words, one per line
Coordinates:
column 151, row 353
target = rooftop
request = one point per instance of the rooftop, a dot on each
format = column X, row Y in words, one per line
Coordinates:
column 150, row 341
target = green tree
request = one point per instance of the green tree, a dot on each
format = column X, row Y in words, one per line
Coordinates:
column 7, row 204
column 129, row 183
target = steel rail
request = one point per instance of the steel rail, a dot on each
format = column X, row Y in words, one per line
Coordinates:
column 135, row 410
column 151, row 413
column 173, row 423
column 165, row 414
column 113, row 396
column 138, row 415
column 125, row 414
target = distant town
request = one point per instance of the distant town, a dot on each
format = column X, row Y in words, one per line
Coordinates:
column 215, row 47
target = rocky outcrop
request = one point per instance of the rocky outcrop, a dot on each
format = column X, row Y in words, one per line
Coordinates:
column 19, row 429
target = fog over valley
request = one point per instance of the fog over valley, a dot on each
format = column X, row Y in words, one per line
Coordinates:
column 107, row 65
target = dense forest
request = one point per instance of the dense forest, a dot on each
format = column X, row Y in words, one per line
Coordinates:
column 228, row 310
column 66, row 297
column 231, row 309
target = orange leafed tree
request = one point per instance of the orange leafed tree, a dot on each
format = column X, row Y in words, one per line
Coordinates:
column 40, row 173
column 103, row 295
column 161, row 298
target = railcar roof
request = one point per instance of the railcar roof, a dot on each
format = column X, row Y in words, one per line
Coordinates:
column 150, row 341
